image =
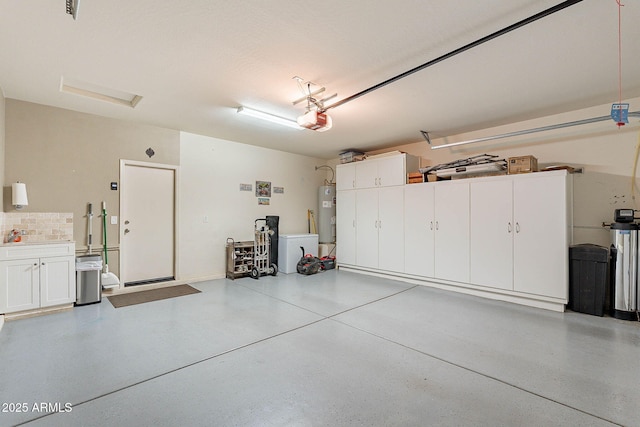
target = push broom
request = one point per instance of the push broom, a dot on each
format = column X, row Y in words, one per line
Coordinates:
column 109, row 280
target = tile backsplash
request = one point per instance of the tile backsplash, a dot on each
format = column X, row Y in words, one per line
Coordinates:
column 38, row 226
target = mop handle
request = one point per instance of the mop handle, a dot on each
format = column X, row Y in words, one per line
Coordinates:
column 104, row 232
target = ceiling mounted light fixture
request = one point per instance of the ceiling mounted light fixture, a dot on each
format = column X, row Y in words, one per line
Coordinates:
column 268, row 117
column 100, row 93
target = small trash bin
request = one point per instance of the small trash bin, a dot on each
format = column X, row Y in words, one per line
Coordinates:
column 588, row 278
column 88, row 287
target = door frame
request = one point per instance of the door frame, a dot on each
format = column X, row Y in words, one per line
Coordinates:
column 176, row 203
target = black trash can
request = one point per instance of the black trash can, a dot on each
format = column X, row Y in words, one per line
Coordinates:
column 588, row 279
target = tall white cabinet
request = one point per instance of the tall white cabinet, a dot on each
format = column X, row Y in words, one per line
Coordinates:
column 520, row 234
column 419, row 229
column 370, row 213
column 452, row 231
column 503, row 237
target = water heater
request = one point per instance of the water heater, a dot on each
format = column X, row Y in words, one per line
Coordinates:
column 327, row 214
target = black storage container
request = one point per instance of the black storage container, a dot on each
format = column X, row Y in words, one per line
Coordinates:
column 588, row 278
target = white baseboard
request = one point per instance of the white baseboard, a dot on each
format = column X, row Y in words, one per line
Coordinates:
column 546, row 303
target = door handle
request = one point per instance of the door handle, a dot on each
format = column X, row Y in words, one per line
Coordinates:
column 509, row 227
column 437, row 226
column 126, row 222
column 431, row 225
column 126, row 231
column 517, row 227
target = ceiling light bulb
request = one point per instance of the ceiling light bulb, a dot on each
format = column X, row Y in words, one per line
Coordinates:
column 268, row 117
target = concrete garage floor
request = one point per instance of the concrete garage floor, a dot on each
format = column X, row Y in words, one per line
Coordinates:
column 333, row 349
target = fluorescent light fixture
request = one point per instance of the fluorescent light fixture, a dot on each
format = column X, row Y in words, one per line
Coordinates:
column 268, row 117
column 90, row 90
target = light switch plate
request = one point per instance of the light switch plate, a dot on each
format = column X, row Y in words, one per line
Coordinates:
column 114, row 220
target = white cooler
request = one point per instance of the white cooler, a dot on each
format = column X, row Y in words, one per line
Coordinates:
column 289, row 252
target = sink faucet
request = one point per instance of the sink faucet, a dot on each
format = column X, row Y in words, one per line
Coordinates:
column 14, row 236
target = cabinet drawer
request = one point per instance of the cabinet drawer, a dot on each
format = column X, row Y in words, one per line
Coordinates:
column 21, row 251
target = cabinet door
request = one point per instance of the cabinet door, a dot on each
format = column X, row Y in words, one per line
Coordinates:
column 491, row 234
column 419, row 229
column 541, row 239
column 391, row 229
column 346, row 176
column 57, row 281
column 367, row 174
column 346, row 227
column 19, row 285
column 367, row 228
column 391, row 171
column 452, row 231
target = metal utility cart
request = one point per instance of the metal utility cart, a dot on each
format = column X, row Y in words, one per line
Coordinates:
column 261, row 260
column 239, row 258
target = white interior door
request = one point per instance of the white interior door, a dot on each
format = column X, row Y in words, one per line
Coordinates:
column 147, row 228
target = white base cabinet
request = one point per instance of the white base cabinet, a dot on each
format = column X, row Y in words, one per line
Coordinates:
column 36, row 276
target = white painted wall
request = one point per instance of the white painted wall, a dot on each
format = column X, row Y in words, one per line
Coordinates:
column 211, row 171
column 606, row 153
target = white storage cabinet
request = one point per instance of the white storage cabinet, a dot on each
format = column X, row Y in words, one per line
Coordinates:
column 520, row 233
column 436, row 237
column 369, row 211
column 380, row 233
column 36, row 276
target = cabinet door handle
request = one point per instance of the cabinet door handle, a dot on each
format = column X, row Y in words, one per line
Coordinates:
column 35, row 264
column 353, row 184
column 509, row 227
column 380, row 182
column 354, row 223
column 43, row 263
column 437, row 226
column 517, row 227
column 379, row 224
column 431, row 225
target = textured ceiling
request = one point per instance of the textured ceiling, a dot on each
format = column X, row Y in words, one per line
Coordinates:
column 194, row 62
